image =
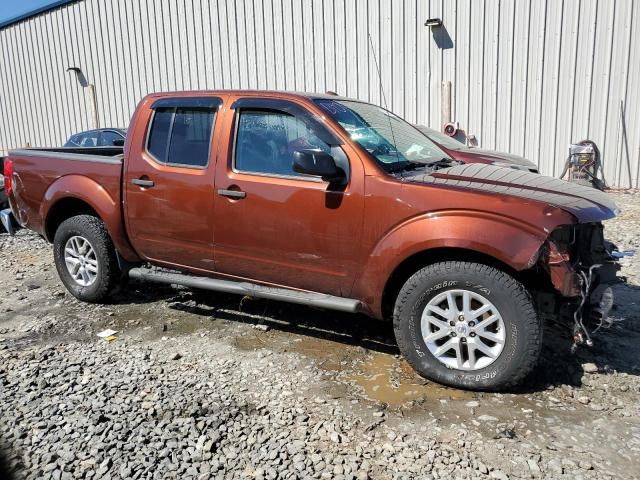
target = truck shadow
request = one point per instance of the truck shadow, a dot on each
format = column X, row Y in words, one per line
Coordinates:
column 616, row 349
column 342, row 328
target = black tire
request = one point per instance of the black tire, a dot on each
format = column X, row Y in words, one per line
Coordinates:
column 108, row 274
column 522, row 335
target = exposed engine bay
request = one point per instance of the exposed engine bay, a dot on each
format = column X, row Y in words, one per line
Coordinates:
column 580, row 264
column 583, row 266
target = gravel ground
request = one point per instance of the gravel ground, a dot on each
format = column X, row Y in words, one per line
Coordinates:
column 198, row 385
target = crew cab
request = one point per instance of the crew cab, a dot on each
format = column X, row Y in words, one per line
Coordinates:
column 329, row 202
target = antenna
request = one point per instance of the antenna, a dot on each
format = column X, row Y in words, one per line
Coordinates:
column 375, row 60
column 384, row 97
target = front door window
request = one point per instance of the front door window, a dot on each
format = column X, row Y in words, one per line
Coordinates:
column 266, row 141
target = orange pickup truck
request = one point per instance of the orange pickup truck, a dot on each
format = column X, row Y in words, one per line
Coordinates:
column 329, row 202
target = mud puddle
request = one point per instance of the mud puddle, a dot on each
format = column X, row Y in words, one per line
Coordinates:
column 391, row 381
column 373, row 376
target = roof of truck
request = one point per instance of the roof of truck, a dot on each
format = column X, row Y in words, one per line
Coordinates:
column 241, row 92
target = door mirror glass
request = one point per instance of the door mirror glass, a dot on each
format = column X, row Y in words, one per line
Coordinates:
column 318, row 163
column 118, row 142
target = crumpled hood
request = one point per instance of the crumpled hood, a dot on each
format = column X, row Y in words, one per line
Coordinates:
column 585, row 203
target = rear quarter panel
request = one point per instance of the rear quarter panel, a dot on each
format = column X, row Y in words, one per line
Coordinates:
column 40, row 181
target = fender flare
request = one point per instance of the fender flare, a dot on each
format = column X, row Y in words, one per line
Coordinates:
column 89, row 191
column 510, row 241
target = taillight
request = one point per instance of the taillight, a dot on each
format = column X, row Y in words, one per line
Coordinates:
column 8, row 173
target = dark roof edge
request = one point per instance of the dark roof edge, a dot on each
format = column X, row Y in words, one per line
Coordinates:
column 35, row 12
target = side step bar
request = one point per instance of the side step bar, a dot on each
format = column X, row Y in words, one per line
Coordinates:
column 250, row 289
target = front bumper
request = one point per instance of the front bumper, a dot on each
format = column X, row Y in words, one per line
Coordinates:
column 9, row 222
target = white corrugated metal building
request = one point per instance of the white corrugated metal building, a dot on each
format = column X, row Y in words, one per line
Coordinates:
column 528, row 76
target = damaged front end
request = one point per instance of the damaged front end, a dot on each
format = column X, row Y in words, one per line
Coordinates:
column 582, row 266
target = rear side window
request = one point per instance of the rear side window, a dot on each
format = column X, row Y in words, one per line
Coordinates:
column 159, row 133
column 181, row 135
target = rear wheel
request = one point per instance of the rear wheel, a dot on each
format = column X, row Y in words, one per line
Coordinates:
column 86, row 258
column 467, row 325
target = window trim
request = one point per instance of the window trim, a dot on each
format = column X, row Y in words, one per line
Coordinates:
column 186, row 102
column 182, row 102
column 238, row 112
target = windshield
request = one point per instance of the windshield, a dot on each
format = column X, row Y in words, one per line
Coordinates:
column 442, row 139
column 390, row 140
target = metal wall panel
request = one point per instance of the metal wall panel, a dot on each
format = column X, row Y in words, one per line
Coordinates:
column 528, row 76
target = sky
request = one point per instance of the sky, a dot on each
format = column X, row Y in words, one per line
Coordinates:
column 14, row 8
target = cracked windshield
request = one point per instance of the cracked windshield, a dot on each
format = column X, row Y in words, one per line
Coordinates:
column 394, row 143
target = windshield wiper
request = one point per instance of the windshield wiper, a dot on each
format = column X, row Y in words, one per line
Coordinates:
column 405, row 165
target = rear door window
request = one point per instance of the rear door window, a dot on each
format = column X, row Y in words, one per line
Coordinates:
column 159, row 134
column 181, row 135
column 190, row 136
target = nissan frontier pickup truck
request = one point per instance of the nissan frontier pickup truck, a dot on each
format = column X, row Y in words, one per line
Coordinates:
column 333, row 203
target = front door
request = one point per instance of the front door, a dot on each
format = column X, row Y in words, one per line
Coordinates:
column 277, row 226
column 169, row 184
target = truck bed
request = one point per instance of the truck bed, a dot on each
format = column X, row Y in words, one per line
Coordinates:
column 43, row 169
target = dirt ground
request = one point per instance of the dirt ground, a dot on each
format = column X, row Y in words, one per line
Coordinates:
column 577, row 416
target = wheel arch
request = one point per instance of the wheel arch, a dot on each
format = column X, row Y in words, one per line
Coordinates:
column 483, row 237
column 64, row 209
column 73, row 195
column 421, row 259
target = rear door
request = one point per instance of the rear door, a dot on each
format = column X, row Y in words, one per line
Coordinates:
column 278, row 226
column 169, row 183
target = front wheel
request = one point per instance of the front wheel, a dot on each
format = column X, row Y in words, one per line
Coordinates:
column 86, row 258
column 467, row 325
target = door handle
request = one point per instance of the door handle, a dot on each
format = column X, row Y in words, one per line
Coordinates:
column 232, row 193
column 142, row 183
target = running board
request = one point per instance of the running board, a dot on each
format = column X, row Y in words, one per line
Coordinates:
column 249, row 289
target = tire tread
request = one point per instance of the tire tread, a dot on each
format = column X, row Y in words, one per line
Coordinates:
column 109, row 274
column 520, row 296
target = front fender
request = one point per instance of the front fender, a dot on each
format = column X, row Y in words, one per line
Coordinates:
column 510, row 241
column 106, row 205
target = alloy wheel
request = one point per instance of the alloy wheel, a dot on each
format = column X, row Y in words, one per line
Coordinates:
column 80, row 259
column 463, row 330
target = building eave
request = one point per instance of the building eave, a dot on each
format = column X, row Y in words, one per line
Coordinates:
column 33, row 13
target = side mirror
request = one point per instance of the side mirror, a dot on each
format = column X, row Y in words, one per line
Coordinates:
column 118, row 142
column 317, row 163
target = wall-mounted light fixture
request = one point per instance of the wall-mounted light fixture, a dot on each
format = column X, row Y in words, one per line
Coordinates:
column 439, row 32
